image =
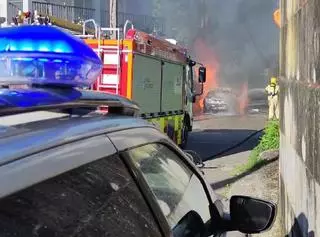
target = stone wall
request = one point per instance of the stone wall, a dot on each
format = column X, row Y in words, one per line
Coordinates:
column 299, row 159
column 300, row 111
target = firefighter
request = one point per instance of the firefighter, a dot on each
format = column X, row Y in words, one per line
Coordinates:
column 273, row 98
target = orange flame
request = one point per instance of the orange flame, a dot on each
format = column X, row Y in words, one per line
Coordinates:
column 243, row 98
column 206, row 56
column 277, row 17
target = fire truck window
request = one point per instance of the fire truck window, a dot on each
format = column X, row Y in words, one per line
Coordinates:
column 190, row 77
column 98, row 199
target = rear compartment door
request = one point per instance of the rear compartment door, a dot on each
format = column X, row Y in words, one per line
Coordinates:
column 147, row 83
column 172, row 87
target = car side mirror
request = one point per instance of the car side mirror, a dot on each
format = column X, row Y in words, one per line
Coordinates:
column 251, row 215
column 190, row 225
column 202, row 74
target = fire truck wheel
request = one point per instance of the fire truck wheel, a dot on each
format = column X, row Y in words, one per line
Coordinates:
column 185, row 135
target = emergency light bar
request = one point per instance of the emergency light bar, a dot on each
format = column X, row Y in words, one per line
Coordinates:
column 36, row 96
column 45, row 55
column 53, row 64
column 22, row 101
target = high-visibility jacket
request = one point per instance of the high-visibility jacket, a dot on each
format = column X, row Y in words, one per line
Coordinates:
column 272, row 90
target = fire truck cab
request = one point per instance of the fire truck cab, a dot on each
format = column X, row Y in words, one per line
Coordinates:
column 156, row 73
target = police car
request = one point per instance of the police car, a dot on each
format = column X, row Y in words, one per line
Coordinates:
column 67, row 169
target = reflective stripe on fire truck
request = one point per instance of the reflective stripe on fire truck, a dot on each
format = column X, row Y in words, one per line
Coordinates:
column 130, row 72
column 171, row 125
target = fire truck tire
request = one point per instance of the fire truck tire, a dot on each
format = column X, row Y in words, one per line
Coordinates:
column 185, row 135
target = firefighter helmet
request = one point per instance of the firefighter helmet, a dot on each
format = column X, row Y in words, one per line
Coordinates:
column 273, row 80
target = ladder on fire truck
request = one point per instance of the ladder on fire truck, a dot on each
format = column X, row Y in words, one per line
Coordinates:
column 111, row 54
column 112, row 61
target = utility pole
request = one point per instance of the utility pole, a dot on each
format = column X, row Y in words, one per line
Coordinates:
column 113, row 11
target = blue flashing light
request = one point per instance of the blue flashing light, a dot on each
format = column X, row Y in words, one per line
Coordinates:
column 36, row 97
column 46, row 55
column 45, row 39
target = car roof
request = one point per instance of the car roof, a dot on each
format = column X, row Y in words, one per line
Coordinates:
column 28, row 133
column 40, row 145
column 38, row 150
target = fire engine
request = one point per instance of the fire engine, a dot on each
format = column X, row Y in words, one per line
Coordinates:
column 156, row 73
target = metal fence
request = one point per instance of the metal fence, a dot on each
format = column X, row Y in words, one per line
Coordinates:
column 105, row 18
column 66, row 12
column 76, row 14
column 13, row 9
column 142, row 22
column 300, row 40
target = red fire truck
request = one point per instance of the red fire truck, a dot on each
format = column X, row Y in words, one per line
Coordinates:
column 156, row 73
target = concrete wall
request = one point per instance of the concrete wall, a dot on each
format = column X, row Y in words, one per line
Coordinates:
column 299, row 159
column 300, row 113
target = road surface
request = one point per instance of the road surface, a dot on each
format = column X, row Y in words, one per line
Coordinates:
column 213, row 134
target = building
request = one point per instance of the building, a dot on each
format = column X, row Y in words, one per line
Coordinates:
column 138, row 11
column 300, row 116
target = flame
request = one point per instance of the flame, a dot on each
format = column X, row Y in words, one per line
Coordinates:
column 206, row 56
column 277, row 17
column 243, row 98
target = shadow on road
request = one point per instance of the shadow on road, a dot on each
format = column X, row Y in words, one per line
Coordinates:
column 210, row 142
column 233, row 179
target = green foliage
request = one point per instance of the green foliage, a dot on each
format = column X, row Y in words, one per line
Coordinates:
column 270, row 140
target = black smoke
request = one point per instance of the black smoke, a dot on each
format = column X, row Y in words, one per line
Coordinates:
column 241, row 33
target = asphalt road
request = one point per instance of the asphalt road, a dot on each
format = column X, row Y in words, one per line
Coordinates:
column 213, row 134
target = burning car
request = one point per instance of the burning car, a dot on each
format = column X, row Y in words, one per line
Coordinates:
column 220, row 100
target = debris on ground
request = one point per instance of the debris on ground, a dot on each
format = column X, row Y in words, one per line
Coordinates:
column 263, row 184
column 269, row 155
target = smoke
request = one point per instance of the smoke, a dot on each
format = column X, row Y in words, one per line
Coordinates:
column 207, row 56
column 240, row 36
